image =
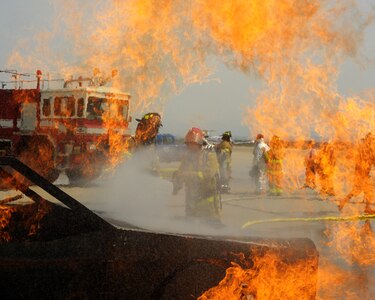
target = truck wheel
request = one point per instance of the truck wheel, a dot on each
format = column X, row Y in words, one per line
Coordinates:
column 84, row 169
column 77, row 177
column 38, row 154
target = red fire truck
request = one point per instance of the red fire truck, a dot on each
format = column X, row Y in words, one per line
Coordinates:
column 64, row 129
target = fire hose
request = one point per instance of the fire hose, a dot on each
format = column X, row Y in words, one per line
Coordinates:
column 326, row 218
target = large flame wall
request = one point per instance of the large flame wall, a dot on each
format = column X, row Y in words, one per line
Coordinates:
column 160, row 47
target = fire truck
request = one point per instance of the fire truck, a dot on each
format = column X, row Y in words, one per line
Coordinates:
column 63, row 129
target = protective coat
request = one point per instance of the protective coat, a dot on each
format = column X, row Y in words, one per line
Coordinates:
column 259, row 172
column 224, row 157
column 199, row 173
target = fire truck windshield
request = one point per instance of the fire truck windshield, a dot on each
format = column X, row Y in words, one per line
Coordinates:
column 96, row 107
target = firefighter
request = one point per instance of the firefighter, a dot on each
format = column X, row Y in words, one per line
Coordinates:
column 258, row 172
column 147, row 129
column 310, row 166
column 364, row 160
column 224, row 157
column 274, row 158
column 199, row 173
column 325, row 163
column 145, row 134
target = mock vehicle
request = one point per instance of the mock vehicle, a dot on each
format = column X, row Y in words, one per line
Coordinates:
column 66, row 129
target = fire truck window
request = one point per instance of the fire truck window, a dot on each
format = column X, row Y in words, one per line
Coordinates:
column 124, row 111
column 96, row 107
column 64, row 106
column 71, row 106
column 46, row 107
column 118, row 109
column 80, row 107
column 113, row 109
column 57, row 106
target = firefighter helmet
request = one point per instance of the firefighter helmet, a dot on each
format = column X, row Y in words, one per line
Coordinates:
column 194, row 135
column 151, row 118
column 226, row 135
column 260, row 136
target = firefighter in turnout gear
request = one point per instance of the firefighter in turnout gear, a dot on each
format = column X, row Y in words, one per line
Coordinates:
column 147, row 129
column 365, row 159
column 274, row 158
column 224, row 157
column 199, row 173
column 258, row 172
column 326, row 162
column 310, row 166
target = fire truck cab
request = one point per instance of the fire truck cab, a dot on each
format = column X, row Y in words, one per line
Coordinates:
column 63, row 129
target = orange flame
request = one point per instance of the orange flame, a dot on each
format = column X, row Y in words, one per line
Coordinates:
column 159, row 48
column 337, row 282
column 5, row 216
column 15, row 220
column 119, row 146
column 355, row 243
column 270, row 277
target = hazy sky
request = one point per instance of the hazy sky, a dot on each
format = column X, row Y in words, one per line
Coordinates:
column 218, row 104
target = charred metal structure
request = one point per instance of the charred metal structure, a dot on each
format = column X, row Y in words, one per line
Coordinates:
column 53, row 251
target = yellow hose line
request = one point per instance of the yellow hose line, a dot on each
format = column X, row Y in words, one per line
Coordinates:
column 327, row 218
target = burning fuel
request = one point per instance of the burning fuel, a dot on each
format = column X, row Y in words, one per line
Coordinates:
column 295, row 46
column 260, row 281
column 159, row 48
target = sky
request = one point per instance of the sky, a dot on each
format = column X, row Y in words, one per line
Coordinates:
column 218, row 104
